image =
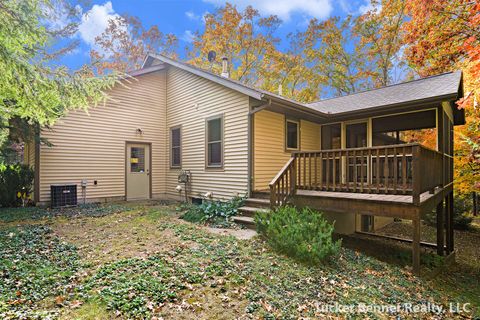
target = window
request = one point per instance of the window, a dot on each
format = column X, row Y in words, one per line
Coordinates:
column 292, row 134
column 175, row 145
column 137, row 159
column 215, row 142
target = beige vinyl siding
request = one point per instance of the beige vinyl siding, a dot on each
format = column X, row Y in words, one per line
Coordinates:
column 269, row 145
column 309, row 135
column 92, row 146
column 190, row 101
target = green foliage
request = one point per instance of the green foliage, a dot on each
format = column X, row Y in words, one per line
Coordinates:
column 34, row 265
column 462, row 217
column 135, row 286
column 302, row 234
column 36, row 213
column 204, row 275
column 13, row 179
column 217, row 213
column 31, row 86
column 138, row 288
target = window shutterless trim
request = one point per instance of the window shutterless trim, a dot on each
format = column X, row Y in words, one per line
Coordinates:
column 175, row 166
column 286, row 134
column 208, row 143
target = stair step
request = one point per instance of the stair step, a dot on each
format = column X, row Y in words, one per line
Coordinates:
column 261, row 194
column 245, row 221
column 258, row 203
column 250, row 211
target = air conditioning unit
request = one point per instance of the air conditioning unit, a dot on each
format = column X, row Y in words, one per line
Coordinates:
column 63, row 195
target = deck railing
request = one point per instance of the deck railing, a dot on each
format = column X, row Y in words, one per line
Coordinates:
column 406, row 169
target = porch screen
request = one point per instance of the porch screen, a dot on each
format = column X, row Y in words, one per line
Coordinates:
column 331, row 136
column 405, row 128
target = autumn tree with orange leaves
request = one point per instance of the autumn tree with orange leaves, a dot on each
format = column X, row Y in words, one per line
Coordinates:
column 125, row 42
column 441, row 36
column 380, row 42
column 245, row 37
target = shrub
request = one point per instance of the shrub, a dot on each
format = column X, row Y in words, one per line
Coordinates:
column 216, row 213
column 462, row 217
column 302, row 234
column 15, row 178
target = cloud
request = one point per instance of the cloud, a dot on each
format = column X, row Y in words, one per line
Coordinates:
column 196, row 17
column 188, row 36
column 192, row 16
column 368, row 6
column 320, row 9
column 95, row 21
column 345, row 5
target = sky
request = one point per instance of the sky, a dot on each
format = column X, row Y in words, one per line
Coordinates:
column 183, row 17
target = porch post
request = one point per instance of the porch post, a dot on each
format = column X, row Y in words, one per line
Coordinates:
column 449, row 222
column 416, row 244
column 440, row 229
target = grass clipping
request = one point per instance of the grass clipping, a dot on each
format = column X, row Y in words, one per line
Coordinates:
column 301, row 234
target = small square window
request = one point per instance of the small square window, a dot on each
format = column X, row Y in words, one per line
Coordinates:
column 292, row 134
column 137, row 159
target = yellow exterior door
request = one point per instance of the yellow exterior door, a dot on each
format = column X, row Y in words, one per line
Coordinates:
column 138, row 171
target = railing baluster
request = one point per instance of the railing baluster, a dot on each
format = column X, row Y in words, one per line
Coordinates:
column 347, row 172
column 377, row 177
column 327, row 182
column 404, row 171
column 385, row 168
column 395, row 170
column 321, row 170
column 294, row 175
column 305, row 171
column 310, row 171
column 316, row 186
column 299, row 173
column 369, row 170
column 334, row 171
column 355, row 174
column 361, row 171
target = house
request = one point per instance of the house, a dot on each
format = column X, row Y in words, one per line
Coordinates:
column 346, row 156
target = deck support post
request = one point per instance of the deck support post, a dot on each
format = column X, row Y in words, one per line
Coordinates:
column 449, row 222
column 440, row 229
column 416, row 245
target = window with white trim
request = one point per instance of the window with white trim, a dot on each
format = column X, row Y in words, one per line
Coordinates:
column 176, row 147
column 215, row 142
column 292, row 135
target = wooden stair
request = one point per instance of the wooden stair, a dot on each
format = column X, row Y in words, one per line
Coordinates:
column 247, row 212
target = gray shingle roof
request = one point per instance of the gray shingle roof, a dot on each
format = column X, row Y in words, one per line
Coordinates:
column 446, row 84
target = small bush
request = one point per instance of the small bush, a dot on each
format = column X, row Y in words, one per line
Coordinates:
column 217, row 213
column 302, row 234
column 15, row 178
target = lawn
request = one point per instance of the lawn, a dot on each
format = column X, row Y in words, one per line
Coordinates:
column 141, row 261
